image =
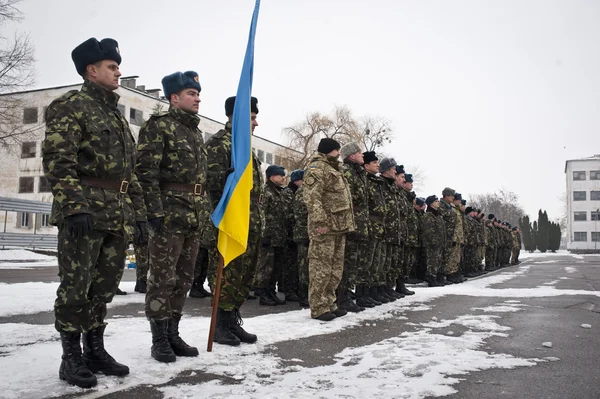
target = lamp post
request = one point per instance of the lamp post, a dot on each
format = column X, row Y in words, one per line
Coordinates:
column 596, row 229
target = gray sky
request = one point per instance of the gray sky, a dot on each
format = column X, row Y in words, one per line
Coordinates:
column 481, row 94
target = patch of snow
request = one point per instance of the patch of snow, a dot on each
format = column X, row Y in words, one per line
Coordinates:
column 570, row 269
column 547, row 344
column 577, row 256
column 21, row 254
column 500, row 308
column 545, row 261
column 586, row 326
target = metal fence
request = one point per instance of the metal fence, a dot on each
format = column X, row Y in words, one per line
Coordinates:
column 27, row 240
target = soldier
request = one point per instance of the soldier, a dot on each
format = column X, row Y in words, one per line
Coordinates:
column 516, row 249
column 446, row 209
column 208, row 239
column 239, row 274
column 171, row 167
column 453, row 272
column 411, row 242
column 470, row 249
column 420, row 263
column 88, row 158
column 271, row 253
column 289, row 275
column 357, row 241
column 491, row 244
column 375, row 253
column 301, row 238
column 141, row 267
column 330, row 218
column 434, row 238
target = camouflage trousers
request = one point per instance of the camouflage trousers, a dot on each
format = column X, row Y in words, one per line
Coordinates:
column 352, row 259
column 90, row 269
column 378, row 265
column 201, row 267
column 237, row 276
column 325, row 268
column 433, row 261
column 410, row 258
column 490, row 257
column 172, row 262
column 470, row 259
column 303, row 264
column 288, row 282
column 453, row 260
column 515, row 256
column 269, row 268
column 365, row 271
column 420, row 263
column 393, row 264
column 142, row 263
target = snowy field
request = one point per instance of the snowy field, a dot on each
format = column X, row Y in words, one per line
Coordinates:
column 420, row 363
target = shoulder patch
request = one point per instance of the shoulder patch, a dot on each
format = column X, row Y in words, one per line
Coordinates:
column 309, row 181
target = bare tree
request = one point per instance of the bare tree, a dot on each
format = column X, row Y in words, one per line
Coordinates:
column 504, row 204
column 373, row 132
column 16, row 73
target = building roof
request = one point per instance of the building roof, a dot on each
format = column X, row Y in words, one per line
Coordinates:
column 595, row 157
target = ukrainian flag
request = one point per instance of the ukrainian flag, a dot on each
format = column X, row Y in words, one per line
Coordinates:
column 232, row 214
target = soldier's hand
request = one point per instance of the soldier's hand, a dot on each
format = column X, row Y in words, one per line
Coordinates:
column 156, row 224
column 322, row 230
column 229, row 171
column 79, row 225
column 306, row 242
column 140, row 233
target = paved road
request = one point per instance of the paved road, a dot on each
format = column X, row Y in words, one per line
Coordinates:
column 574, row 373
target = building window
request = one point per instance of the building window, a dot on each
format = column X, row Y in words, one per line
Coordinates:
column 28, row 149
column 595, row 195
column 579, row 216
column 44, row 220
column 261, row 155
column 595, row 215
column 579, row 196
column 26, row 184
column 269, row 159
column 594, row 174
column 136, row 117
column 44, row 185
column 30, row 115
column 580, row 236
column 595, row 236
column 121, row 109
column 24, row 219
column 579, row 175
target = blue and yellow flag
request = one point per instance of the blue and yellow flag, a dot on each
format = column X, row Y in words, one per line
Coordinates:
column 232, row 215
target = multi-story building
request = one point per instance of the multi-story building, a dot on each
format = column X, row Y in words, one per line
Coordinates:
column 21, row 171
column 583, row 204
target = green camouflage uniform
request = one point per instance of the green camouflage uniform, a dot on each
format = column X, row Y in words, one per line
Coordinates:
column 410, row 240
column 491, row 246
column 142, row 263
column 239, row 274
column 288, row 282
column 376, row 248
column 329, row 205
column 86, row 136
column 208, row 239
column 458, row 240
column 420, row 261
column 434, row 240
column 301, row 236
column 470, row 249
column 393, row 254
column 446, row 210
column 171, row 150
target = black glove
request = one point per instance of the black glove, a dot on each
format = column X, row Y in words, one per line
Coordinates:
column 156, row 224
column 453, row 243
column 229, row 171
column 140, row 233
column 306, row 242
column 79, row 225
column 266, row 242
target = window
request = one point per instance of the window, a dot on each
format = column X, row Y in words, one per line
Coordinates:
column 595, row 215
column 595, row 195
column 30, row 115
column 24, row 220
column 44, row 185
column 580, row 236
column 269, row 159
column 261, row 155
column 121, row 109
column 28, row 149
column 579, row 175
column 580, row 216
column 26, row 184
column 136, row 117
column 44, row 220
column 579, row 196
column 594, row 174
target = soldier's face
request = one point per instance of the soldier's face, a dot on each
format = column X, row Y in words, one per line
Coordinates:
column 408, row 186
column 187, row 100
column 372, row 167
column 279, row 180
column 298, row 183
column 435, row 204
column 357, row 158
column 253, row 121
column 105, row 73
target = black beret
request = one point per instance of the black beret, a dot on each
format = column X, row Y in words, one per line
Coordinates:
column 370, row 156
column 407, row 177
column 178, row 81
column 275, row 170
column 431, row 199
column 327, row 145
column 230, row 103
column 457, row 196
column 92, row 51
column 420, row 201
column 469, row 210
column 491, row 216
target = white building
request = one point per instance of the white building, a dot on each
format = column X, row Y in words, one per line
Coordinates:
column 21, row 171
column 583, row 204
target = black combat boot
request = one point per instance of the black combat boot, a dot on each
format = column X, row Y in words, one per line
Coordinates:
column 401, row 288
column 441, row 280
column 382, row 289
column 273, row 294
column 328, row 316
column 96, row 358
column 362, row 299
column 223, row 334
column 292, row 297
column 374, row 295
column 392, row 293
column 141, row 286
column 339, row 312
column 197, row 290
column 72, row 369
column 345, row 302
column 303, row 293
column 179, row 346
column 161, row 348
column 432, row 281
column 265, row 298
column 235, row 326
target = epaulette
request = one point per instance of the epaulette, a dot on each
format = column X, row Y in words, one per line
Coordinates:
column 60, row 99
column 219, row 134
column 159, row 114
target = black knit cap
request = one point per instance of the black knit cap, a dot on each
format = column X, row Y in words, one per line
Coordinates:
column 468, row 210
column 230, row 103
column 327, row 145
column 431, row 199
column 491, row 216
column 369, row 156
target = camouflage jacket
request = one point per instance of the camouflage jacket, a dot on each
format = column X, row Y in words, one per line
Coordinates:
column 420, row 219
column 288, row 193
column 518, row 240
column 479, row 240
column 300, row 217
column 459, row 229
column 219, row 160
column 357, row 182
column 86, row 135
column 275, row 206
column 490, row 237
column 377, row 207
column 391, row 219
column 412, row 221
column 171, row 150
column 516, row 244
column 449, row 216
column 434, row 230
column 470, row 228
column 327, row 197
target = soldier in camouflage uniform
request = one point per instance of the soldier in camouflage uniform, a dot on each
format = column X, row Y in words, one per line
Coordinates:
column 301, row 237
column 516, row 248
column 88, row 158
column 375, row 252
column 271, row 253
column 330, row 218
column 208, row 239
column 142, row 266
column 446, row 209
column 471, row 228
column 171, row 168
column 420, row 264
column 239, row 274
column 491, row 244
column 434, row 240
column 452, row 269
column 409, row 220
column 289, row 269
column 356, row 241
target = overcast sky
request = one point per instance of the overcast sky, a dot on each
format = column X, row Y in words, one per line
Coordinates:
column 481, row 94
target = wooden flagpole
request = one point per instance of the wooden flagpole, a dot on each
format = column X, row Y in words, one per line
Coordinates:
column 215, row 305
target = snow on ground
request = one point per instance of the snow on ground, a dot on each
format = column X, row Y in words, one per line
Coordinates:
column 22, row 254
column 570, row 269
